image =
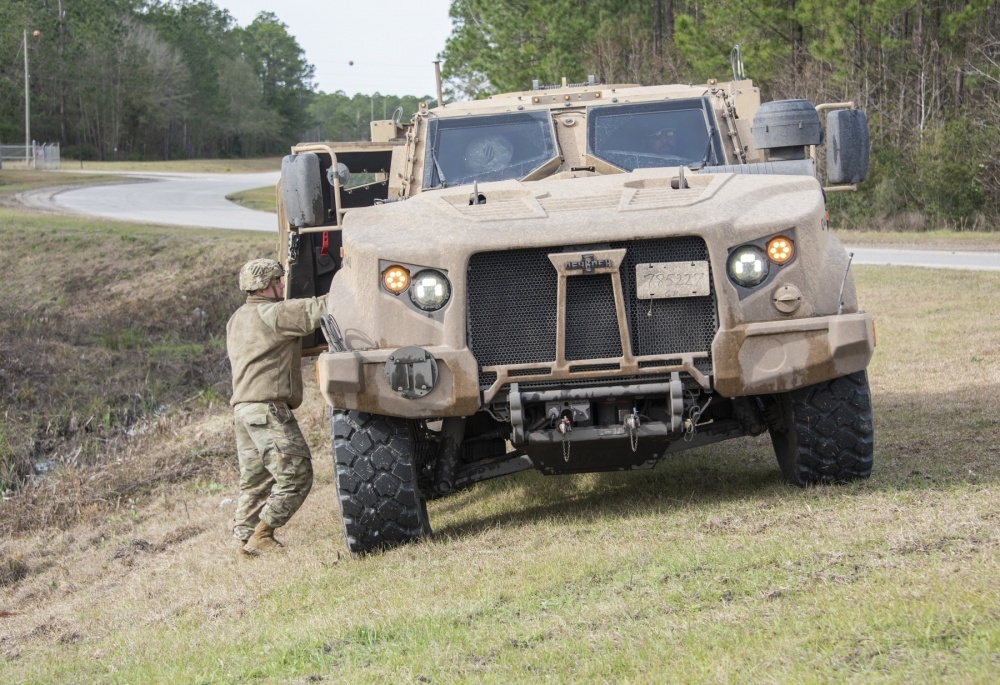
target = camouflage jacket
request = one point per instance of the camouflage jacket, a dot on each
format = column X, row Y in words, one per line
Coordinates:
column 262, row 339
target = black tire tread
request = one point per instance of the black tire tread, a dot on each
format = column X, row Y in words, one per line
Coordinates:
column 376, row 480
column 828, row 434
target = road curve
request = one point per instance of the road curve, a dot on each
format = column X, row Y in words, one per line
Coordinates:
column 174, row 199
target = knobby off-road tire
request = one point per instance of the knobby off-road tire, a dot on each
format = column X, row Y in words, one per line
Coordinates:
column 823, row 433
column 376, row 479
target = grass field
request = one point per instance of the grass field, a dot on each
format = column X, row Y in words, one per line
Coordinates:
column 14, row 181
column 707, row 569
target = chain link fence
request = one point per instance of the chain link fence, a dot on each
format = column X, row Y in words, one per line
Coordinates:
column 36, row 156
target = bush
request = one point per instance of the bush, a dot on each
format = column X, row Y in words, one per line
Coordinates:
column 952, row 169
column 951, row 178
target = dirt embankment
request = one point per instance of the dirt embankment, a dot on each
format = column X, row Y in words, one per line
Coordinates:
column 114, row 385
column 109, row 331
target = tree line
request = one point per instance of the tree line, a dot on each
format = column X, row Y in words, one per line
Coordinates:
column 161, row 79
column 927, row 72
column 152, row 79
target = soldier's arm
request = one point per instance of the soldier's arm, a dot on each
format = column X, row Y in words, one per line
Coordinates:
column 293, row 318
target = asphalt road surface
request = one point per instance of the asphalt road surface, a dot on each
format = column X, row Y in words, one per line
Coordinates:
column 174, row 199
column 200, row 200
column 937, row 259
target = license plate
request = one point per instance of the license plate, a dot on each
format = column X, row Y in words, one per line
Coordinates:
column 671, row 279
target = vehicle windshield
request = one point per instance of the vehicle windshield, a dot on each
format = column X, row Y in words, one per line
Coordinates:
column 494, row 147
column 654, row 134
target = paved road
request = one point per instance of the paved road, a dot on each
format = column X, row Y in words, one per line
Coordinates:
column 199, row 200
column 174, row 199
column 937, row 259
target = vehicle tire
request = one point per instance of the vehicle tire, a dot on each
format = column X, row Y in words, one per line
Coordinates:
column 376, row 478
column 823, row 433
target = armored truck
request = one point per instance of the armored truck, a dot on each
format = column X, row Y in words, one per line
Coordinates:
column 579, row 278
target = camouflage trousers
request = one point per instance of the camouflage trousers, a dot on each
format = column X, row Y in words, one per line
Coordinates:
column 275, row 466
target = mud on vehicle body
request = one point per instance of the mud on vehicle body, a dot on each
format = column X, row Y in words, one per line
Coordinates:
column 574, row 279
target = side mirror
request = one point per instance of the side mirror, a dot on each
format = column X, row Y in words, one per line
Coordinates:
column 847, row 146
column 302, row 190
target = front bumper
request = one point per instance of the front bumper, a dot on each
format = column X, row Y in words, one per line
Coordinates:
column 357, row 380
column 776, row 356
column 751, row 359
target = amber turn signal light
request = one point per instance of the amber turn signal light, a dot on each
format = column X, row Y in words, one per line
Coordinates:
column 396, row 279
column 779, row 249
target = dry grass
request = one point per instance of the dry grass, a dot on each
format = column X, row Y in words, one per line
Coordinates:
column 708, row 569
column 14, row 181
column 104, row 328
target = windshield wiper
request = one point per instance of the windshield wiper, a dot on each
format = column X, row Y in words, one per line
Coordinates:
column 440, row 172
column 704, row 157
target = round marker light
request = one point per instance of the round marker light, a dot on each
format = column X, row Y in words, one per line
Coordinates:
column 747, row 266
column 430, row 290
column 396, row 279
column 779, row 249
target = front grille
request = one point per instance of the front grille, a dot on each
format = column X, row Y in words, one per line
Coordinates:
column 512, row 307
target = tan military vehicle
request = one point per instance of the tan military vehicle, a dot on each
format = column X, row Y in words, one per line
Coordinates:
column 579, row 278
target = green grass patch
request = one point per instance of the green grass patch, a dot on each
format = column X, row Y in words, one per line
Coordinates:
column 177, row 351
column 261, row 199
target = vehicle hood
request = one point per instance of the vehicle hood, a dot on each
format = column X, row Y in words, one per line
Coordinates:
column 578, row 211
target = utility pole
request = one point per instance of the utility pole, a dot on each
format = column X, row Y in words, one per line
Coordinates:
column 28, row 152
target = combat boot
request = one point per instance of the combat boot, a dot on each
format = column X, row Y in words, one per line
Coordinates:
column 262, row 539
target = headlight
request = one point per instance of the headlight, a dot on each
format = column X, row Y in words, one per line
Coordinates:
column 747, row 266
column 430, row 290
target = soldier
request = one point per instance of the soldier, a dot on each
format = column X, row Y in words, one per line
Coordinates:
column 662, row 140
column 263, row 342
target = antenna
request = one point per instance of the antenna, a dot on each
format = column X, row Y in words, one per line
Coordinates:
column 437, row 80
column 736, row 60
column 850, row 258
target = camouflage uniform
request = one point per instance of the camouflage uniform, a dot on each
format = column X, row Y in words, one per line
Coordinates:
column 262, row 339
column 275, row 466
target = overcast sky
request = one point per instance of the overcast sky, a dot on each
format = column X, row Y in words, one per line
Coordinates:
column 392, row 43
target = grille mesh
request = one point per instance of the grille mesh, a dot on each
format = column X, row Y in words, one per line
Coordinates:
column 676, row 324
column 512, row 308
column 591, row 318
